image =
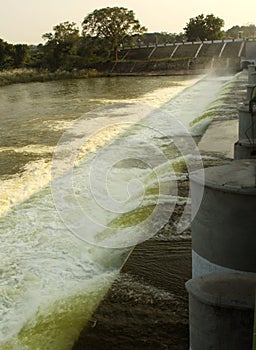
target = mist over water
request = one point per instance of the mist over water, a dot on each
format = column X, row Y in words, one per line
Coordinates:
column 51, row 277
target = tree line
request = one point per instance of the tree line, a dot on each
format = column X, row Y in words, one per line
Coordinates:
column 104, row 33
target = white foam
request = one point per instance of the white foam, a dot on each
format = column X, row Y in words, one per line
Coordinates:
column 19, row 187
column 41, row 262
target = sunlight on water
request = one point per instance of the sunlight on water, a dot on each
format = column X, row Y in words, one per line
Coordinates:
column 51, row 281
column 59, row 324
column 159, row 96
column 217, row 108
column 16, row 189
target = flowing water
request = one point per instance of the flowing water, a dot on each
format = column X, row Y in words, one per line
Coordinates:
column 88, row 169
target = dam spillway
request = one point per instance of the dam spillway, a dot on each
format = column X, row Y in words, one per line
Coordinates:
column 199, row 57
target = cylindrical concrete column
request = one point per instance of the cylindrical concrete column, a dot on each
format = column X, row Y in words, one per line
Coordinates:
column 221, row 311
column 247, row 124
column 249, row 92
column 223, row 229
column 251, row 80
column 244, row 149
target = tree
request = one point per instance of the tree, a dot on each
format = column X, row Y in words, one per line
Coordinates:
column 161, row 38
column 204, row 28
column 13, row 56
column 3, row 53
column 20, row 55
column 92, row 50
column 61, row 46
column 114, row 24
column 246, row 31
column 233, row 32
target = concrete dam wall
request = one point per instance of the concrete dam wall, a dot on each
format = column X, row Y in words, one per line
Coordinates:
column 183, row 58
column 218, row 48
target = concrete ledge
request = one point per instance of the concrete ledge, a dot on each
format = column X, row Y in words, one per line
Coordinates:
column 219, row 138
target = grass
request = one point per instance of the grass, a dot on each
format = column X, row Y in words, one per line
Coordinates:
column 21, row 75
column 157, row 59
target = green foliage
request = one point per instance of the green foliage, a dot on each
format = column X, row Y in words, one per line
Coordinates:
column 13, row 56
column 204, row 28
column 159, row 38
column 21, row 75
column 106, row 31
column 60, row 50
column 247, row 31
column 20, row 55
column 92, row 50
column 114, row 25
column 4, row 53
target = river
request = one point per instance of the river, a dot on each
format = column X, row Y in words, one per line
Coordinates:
column 89, row 168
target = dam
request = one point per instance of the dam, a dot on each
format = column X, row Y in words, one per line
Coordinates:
column 184, row 58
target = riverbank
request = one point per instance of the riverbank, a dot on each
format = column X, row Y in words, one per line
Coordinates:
column 160, row 67
column 16, row 76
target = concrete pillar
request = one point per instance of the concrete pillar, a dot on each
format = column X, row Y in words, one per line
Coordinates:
column 251, row 80
column 249, row 91
column 245, row 147
column 252, row 74
column 221, row 311
column 247, row 124
column 222, row 291
column 223, row 229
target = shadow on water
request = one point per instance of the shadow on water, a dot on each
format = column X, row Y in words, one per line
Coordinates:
column 12, row 162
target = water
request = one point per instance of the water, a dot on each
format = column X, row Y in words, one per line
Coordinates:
column 122, row 144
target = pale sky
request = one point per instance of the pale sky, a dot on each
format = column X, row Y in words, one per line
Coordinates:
column 25, row 21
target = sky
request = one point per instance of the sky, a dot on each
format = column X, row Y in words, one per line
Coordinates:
column 25, row 21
